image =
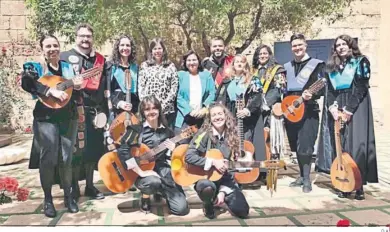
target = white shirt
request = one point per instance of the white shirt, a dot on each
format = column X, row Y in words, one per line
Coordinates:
column 195, row 92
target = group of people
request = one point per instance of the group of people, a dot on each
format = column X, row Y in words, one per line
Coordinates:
column 69, row 141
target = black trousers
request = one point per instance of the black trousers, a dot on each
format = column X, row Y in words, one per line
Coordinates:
column 302, row 137
column 55, row 141
column 173, row 193
column 235, row 201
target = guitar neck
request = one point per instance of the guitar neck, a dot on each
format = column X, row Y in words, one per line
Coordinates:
column 338, row 140
column 162, row 146
column 246, row 164
column 240, row 125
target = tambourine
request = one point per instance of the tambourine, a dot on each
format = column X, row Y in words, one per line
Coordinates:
column 277, row 110
column 99, row 120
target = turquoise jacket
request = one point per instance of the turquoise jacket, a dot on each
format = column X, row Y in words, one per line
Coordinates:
column 183, row 95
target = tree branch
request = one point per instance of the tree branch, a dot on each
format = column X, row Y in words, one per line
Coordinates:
column 231, row 15
column 144, row 39
column 255, row 31
column 184, row 27
column 205, row 43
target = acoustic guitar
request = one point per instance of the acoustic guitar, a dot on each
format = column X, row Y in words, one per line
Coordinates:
column 185, row 174
column 344, row 172
column 117, row 179
column 293, row 107
column 65, row 85
column 247, row 150
column 119, row 124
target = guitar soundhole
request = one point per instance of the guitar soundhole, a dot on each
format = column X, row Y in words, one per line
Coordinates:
column 296, row 104
column 118, row 172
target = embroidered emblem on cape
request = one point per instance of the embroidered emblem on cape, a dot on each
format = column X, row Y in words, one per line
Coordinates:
column 73, row 59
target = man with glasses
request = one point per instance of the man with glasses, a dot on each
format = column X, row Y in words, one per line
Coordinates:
column 302, row 72
column 92, row 109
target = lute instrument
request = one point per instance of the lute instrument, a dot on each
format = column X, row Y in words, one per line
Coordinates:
column 63, row 84
column 293, row 107
column 185, row 174
column 117, row 179
column 344, row 172
column 118, row 125
column 246, row 149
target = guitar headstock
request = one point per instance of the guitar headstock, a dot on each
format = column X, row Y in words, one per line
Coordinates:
column 240, row 104
column 188, row 132
column 92, row 72
column 128, row 79
column 274, row 164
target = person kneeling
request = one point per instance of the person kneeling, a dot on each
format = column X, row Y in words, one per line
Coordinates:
column 154, row 132
column 219, row 132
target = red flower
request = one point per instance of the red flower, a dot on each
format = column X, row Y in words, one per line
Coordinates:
column 4, row 50
column 22, row 194
column 28, row 129
column 343, row 223
column 11, row 184
column 2, row 184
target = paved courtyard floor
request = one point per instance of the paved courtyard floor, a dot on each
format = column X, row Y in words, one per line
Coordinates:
column 287, row 207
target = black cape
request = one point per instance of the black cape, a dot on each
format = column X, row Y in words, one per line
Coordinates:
column 358, row 139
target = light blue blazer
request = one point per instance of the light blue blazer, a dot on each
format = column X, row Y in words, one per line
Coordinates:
column 183, row 95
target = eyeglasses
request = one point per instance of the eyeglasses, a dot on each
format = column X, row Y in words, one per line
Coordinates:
column 85, row 36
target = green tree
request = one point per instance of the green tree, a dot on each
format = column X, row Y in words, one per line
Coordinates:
column 185, row 24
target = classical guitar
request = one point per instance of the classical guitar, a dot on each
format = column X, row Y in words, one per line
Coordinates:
column 344, row 172
column 65, row 85
column 293, row 107
column 247, row 150
column 118, row 126
column 185, row 174
column 117, row 179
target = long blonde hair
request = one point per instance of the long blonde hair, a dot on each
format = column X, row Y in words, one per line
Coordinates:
column 247, row 69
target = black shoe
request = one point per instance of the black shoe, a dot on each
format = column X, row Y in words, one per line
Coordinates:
column 71, row 204
column 94, row 193
column 133, row 189
column 208, row 210
column 342, row 194
column 49, row 209
column 306, row 186
column 359, row 195
column 297, row 183
column 145, row 205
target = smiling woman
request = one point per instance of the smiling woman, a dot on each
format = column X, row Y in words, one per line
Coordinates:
column 158, row 77
column 196, row 93
column 54, row 129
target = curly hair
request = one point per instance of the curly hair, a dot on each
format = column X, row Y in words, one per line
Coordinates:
column 231, row 131
column 335, row 61
column 256, row 60
column 116, row 56
column 247, row 69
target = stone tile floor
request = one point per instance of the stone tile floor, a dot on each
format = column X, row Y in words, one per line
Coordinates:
column 287, row 207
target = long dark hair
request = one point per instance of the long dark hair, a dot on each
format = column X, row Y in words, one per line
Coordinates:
column 184, row 60
column 44, row 37
column 151, row 99
column 165, row 60
column 256, row 60
column 334, row 61
column 116, row 56
column 231, row 131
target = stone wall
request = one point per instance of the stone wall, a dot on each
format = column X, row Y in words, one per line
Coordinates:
column 362, row 20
